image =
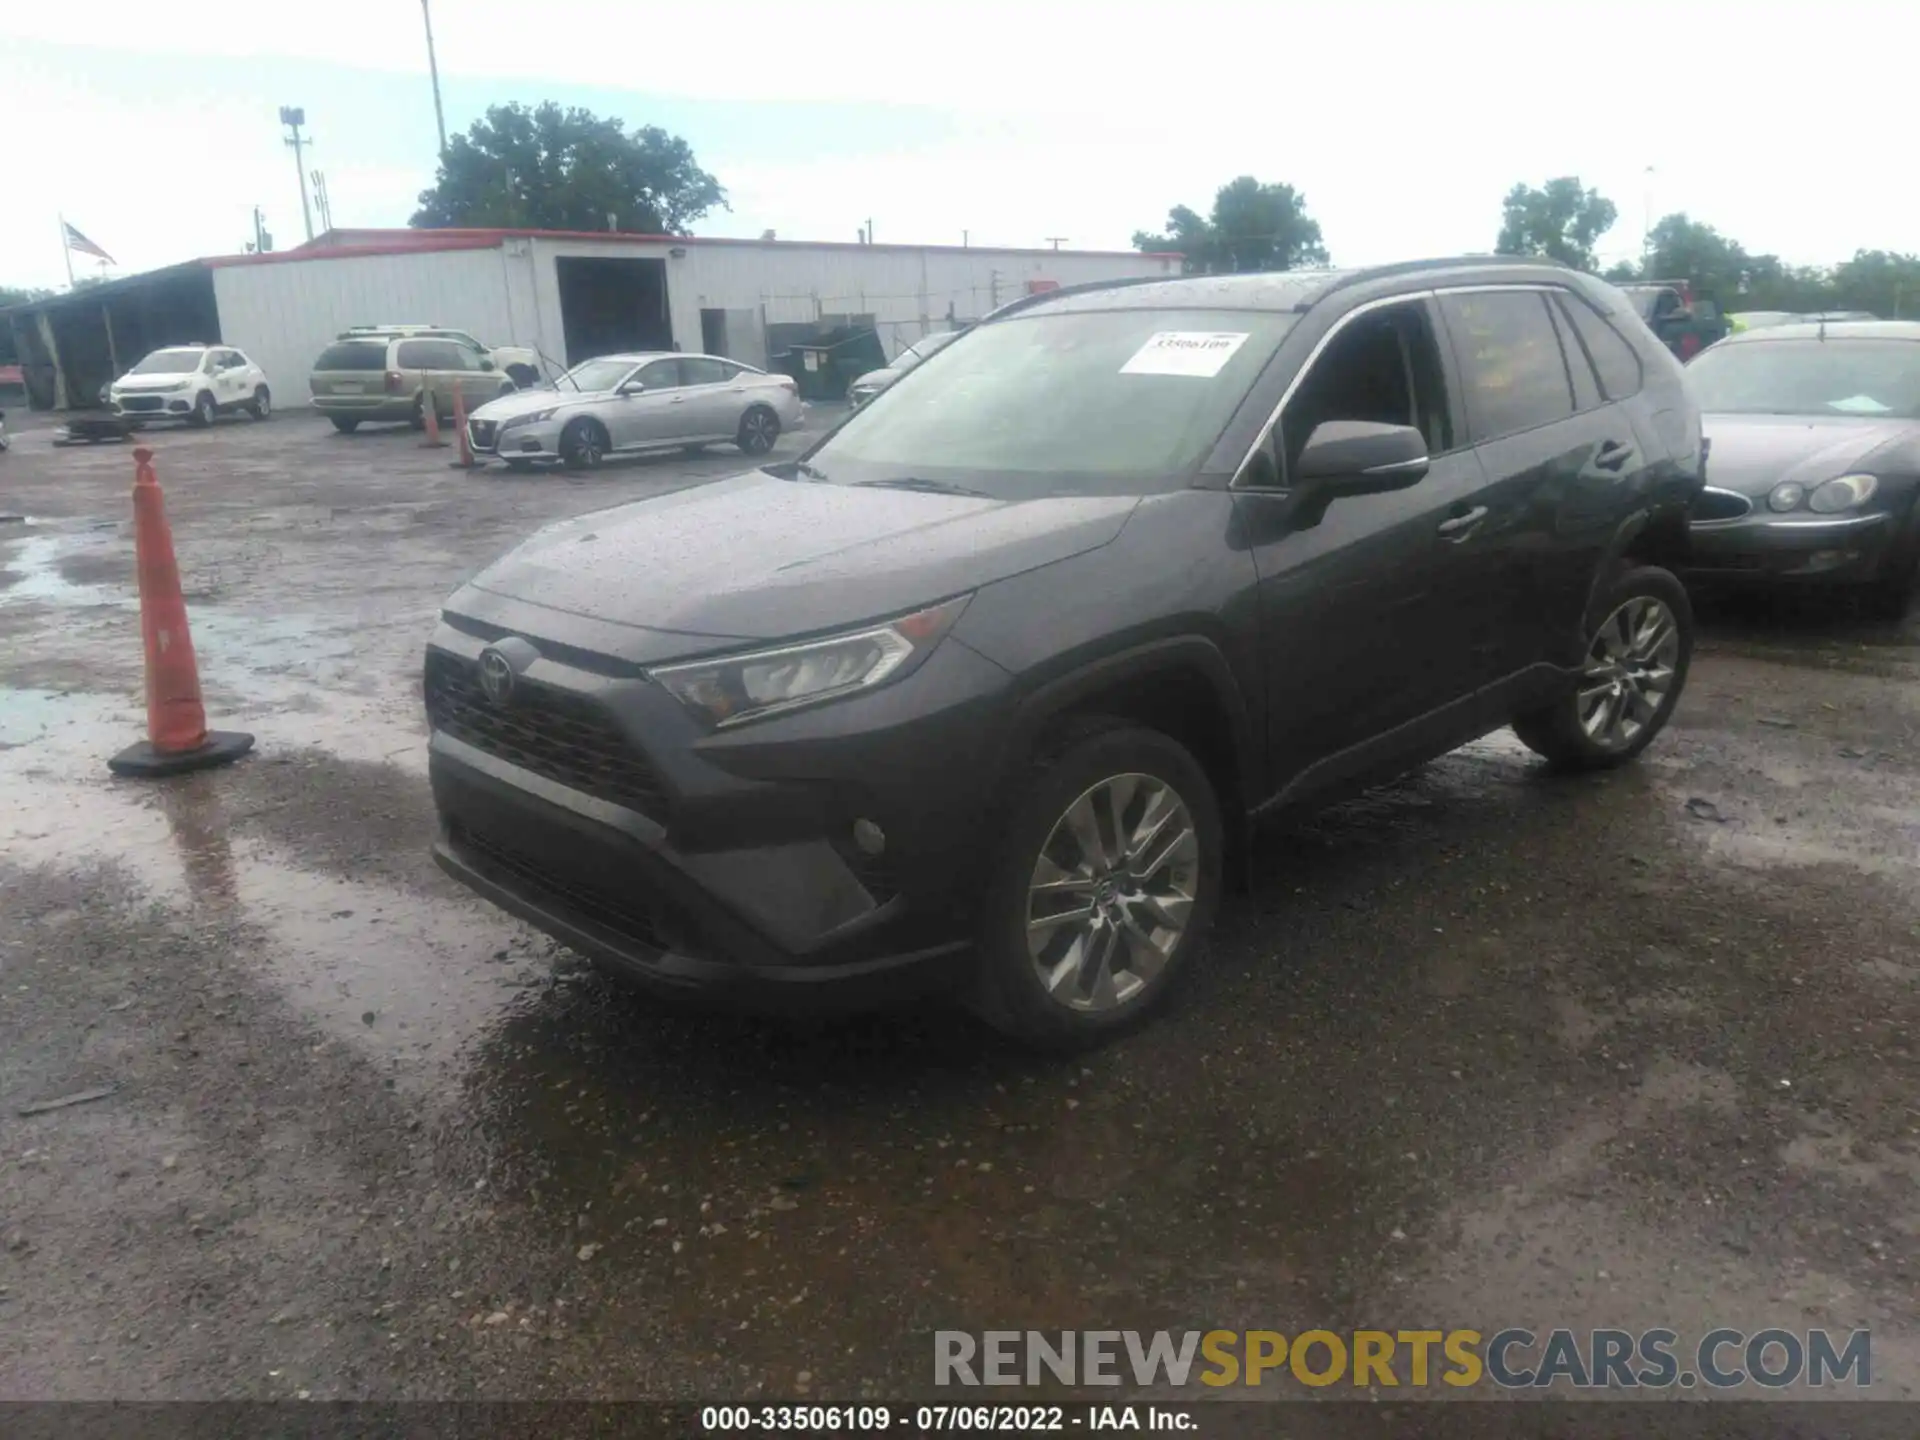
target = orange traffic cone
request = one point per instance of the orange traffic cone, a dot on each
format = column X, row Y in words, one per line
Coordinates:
column 465, row 462
column 177, row 735
column 430, row 412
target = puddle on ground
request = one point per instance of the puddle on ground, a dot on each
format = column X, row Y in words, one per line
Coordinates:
column 35, row 577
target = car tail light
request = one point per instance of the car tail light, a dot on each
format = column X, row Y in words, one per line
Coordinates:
column 393, row 382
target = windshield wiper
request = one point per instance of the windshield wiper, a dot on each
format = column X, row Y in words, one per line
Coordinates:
column 923, row 486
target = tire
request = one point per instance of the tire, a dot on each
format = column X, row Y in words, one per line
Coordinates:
column 759, row 428
column 1073, row 1009
column 418, row 419
column 1639, row 646
column 1889, row 597
column 345, row 424
column 583, row 444
column 203, row 411
column 261, row 406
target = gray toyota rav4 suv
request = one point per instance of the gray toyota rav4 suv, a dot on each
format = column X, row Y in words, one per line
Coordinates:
column 985, row 689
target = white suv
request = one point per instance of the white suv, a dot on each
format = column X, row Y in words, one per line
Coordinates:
column 192, row 383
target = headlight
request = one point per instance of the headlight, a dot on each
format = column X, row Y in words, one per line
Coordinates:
column 736, row 688
column 1786, row 496
column 1843, row 492
column 534, row 419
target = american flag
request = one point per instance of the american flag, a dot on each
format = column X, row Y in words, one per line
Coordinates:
column 77, row 241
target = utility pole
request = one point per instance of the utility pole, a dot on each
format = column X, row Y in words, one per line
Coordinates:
column 1056, row 240
column 293, row 117
column 262, row 241
column 433, row 69
column 963, row 240
column 869, row 230
column 1646, row 228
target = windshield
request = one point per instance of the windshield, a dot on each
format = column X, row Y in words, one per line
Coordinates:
column 596, row 375
column 921, row 349
column 168, row 362
column 1810, row 377
column 1088, row 402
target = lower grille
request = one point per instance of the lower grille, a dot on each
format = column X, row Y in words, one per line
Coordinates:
column 621, row 910
column 1713, row 504
column 554, row 733
column 141, row 402
column 483, row 434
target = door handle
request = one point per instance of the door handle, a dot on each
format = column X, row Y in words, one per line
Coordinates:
column 1613, row 455
column 679, row 400
column 1457, row 527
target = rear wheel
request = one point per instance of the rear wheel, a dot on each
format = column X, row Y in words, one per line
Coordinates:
column 203, row 411
column 345, row 424
column 1635, row 668
column 759, row 428
column 1106, row 882
column 583, row 444
column 418, row 420
column 261, row 406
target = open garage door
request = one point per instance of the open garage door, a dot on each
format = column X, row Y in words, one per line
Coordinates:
column 611, row 305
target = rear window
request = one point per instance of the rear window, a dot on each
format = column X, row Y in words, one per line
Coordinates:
column 362, row 356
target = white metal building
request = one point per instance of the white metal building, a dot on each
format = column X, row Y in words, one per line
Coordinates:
column 569, row 295
column 573, row 296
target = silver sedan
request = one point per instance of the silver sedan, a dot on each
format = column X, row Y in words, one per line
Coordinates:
column 646, row 401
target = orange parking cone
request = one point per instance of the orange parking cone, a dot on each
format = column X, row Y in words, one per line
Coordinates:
column 430, row 412
column 177, row 736
column 465, row 462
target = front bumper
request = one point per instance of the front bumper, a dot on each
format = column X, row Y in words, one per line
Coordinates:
column 535, row 440
column 720, row 864
column 1839, row 549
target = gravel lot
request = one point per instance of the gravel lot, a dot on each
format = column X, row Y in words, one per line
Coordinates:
column 1482, row 1049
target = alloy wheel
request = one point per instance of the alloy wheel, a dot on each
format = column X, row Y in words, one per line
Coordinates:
column 1112, row 892
column 757, row 431
column 1629, row 672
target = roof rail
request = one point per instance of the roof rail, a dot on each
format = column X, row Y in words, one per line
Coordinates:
column 1085, row 287
column 1446, row 262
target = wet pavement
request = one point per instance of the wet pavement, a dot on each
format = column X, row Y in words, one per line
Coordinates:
column 1484, row 1048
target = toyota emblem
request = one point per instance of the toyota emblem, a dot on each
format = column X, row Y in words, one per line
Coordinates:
column 496, row 677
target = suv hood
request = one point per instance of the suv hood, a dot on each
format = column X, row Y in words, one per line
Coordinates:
column 1753, row 453
column 135, row 384
column 759, row 558
column 526, row 402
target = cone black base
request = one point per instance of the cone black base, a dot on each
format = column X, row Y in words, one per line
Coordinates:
column 222, row 747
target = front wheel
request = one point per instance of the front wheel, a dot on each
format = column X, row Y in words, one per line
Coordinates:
column 583, row 444
column 759, row 428
column 203, row 411
column 1631, row 679
column 1106, row 882
column 261, row 406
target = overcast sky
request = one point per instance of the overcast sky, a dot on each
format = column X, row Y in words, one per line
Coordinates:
column 154, row 129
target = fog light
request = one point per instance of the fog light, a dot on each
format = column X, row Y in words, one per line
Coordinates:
column 869, row 837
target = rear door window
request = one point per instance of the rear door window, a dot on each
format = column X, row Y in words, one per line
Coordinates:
column 699, row 370
column 352, row 357
column 1613, row 357
column 1511, row 367
column 1586, row 386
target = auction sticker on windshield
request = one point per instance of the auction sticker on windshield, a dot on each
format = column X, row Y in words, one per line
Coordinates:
column 1200, row 353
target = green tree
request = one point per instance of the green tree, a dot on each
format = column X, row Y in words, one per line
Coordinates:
column 21, row 295
column 553, row 169
column 1882, row 281
column 1561, row 220
column 1253, row 227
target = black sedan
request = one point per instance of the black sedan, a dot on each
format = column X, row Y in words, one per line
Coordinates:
column 1815, row 457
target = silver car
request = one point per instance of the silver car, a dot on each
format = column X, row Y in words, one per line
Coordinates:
column 644, row 401
column 874, row 381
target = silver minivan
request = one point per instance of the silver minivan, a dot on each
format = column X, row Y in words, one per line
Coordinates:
column 388, row 377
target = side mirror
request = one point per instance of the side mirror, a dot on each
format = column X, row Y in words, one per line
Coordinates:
column 1359, row 457
column 486, row 364
column 632, row 387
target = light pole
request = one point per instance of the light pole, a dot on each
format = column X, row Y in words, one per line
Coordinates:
column 293, row 117
column 433, row 68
